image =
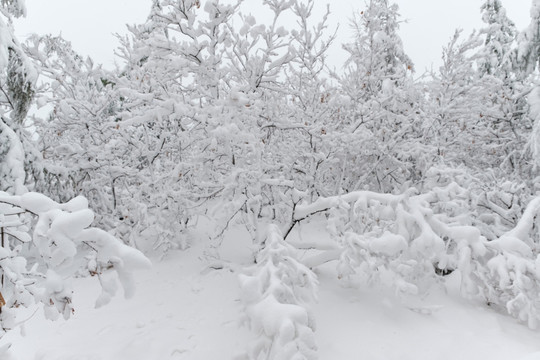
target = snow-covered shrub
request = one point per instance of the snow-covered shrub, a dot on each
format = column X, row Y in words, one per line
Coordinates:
column 495, row 202
column 511, row 276
column 398, row 239
column 45, row 244
column 410, row 241
column 129, row 174
column 276, row 292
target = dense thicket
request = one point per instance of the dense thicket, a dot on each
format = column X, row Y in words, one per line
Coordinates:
column 214, row 113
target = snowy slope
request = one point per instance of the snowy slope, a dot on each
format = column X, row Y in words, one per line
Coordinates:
column 185, row 310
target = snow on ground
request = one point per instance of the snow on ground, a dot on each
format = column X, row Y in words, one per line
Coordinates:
column 373, row 324
column 185, row 310
column 177, row 313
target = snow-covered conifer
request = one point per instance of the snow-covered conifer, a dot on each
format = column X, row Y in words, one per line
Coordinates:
column 500, row 33
column 472, row 112
column 19, row 160
column 276, row 294
column 506, row 117
column 379, row 130
column 528, row 43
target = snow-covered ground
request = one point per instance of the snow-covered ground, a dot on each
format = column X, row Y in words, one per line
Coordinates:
column 183, row 309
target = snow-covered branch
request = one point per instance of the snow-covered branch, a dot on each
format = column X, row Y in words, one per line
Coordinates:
column 45, row 244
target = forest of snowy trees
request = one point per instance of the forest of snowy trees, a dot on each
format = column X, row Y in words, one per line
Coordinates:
column 213, row 114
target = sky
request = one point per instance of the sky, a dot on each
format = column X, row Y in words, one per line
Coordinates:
column 90, row 24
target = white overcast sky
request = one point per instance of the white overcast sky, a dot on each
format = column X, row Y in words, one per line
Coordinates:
column 90, row 24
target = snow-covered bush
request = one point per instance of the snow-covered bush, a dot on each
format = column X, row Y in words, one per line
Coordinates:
column 399, row 240
column 276, row 293
column 511, row 276
column 411, row 241
column 84, row 151
column 44, row 245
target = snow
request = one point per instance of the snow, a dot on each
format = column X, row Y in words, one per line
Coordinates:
column 388, row 244
column 380, row 274
column 378, row 326
column 512, row 244
column 5, row 40
column 12, row 167
column 184, row 310
column 176, row 313
column 35, row 202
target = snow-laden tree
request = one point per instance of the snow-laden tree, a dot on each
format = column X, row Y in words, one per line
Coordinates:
column 379, row 133
column 507, row 116
column 43, row 244
column 81, row 150
column 207, row 103
column 180, row 96
column 377, row 58
column 17, row 86
column 85, row 150
column 312, row 122
column 290, row 113
column 528, row 55
column 528, row 44
column 472, row 119
column 500, row 33
column 476, row 129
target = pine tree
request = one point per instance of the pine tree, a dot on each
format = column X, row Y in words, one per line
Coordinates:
column 506, row 116
column 382, row 104
column 528, row 49
column 527, row 57
column 19, row 160
column 500, row 33
column 377, row 58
